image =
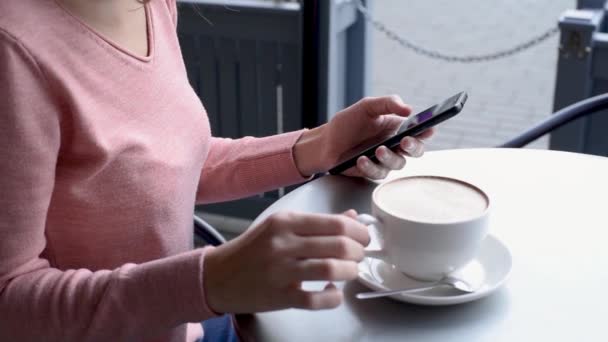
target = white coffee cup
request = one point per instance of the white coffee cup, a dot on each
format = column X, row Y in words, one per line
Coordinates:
column 427, row 248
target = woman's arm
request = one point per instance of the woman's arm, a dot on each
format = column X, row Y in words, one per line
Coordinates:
column 238, row 168
column 42, row 303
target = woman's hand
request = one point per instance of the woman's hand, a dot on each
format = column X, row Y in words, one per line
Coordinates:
column 263, row 269
column 369, row 121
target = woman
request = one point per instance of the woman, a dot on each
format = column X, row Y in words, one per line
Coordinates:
column 105, row 150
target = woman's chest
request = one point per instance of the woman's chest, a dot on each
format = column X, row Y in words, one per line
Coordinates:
column 129, row 130
column 127, row 172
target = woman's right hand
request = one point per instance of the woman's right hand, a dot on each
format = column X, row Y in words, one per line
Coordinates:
column 263, row 269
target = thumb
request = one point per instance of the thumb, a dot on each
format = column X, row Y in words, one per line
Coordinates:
column 376, row 106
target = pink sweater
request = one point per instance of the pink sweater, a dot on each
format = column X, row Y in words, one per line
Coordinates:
column 102, row 157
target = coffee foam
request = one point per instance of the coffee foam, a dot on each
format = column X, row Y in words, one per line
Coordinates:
column 431, row 199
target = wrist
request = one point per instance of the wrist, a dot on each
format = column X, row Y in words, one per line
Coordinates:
column 212, row 280
column 308, row 152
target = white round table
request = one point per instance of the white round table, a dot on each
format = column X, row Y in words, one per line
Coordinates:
column 550, row 209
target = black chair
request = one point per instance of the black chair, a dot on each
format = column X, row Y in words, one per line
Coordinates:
column 560, row 118
column 207, row 233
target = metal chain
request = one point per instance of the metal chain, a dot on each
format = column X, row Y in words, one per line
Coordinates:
column 390, row 34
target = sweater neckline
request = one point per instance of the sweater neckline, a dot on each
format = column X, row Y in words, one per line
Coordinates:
column 100, row 37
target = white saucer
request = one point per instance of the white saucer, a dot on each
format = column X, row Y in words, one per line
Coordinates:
column 491, row 267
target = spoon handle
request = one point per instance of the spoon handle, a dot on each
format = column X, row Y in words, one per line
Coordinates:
column 376, row 294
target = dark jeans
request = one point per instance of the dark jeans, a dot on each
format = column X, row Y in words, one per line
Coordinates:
column 219, row 329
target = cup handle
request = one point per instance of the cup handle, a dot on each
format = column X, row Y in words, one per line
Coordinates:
column 372, row 223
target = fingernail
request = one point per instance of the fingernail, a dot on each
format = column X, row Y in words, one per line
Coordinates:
column 381, row 153
column 406, row 144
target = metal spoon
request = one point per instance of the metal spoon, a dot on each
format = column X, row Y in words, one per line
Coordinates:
column 448, row 280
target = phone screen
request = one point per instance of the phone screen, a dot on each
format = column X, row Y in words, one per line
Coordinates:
column 418, row 119
column 427, row 114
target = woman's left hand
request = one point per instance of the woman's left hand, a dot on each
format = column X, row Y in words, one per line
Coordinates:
column 369, row 121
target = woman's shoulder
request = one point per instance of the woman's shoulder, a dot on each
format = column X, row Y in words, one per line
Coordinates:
column 17, row 27
column 31, row 23
column 12, row 15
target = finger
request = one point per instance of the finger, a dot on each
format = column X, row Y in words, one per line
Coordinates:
column 325, row 269
column 412, row 146
column 338, row 247
column 389, row 158
column 328, row 225
column 329, row 298
column 371, row 170
column 376, row 106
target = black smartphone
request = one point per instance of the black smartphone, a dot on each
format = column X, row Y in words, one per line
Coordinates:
column 413, row 126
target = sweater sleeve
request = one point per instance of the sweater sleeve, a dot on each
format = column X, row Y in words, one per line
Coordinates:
column 237, row 168
column 37, row 301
